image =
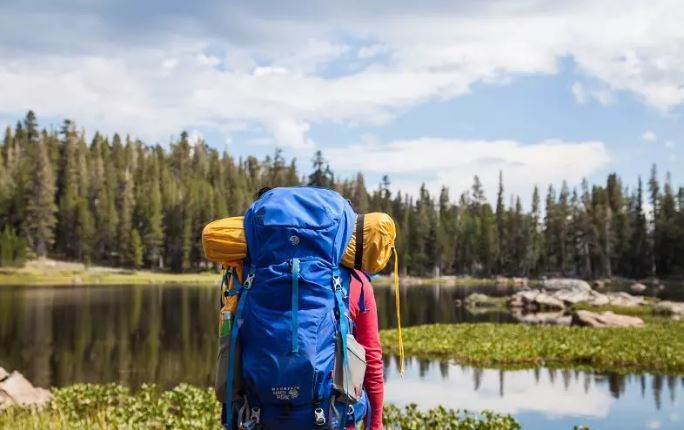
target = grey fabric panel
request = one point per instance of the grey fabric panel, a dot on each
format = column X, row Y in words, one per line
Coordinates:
column 349, row 382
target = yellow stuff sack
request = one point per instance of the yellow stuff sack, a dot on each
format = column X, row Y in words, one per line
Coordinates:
column 224, row 241
column 379, row 233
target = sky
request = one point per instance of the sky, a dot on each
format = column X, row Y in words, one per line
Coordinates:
column 430, row 92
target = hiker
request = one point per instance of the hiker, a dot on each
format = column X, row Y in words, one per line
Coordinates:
column 299, row 346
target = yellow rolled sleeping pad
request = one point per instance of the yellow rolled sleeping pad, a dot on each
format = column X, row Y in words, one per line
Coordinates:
column 224, row 242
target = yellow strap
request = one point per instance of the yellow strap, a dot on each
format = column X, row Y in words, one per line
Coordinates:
column 397, row 302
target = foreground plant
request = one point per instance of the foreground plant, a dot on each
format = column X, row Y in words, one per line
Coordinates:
column 657, row 347
column 111, row 406
column 411, row 418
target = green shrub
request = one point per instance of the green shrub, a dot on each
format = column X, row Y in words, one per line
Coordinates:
column 103, row 407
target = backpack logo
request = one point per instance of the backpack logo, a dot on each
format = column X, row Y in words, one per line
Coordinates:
column 285, row 393
column 294, row 240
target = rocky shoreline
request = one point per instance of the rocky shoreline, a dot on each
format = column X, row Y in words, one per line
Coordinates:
column 555, row 302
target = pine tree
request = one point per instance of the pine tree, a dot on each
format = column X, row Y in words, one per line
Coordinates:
column 639, row 258
column 501, row 240
column 359, row 197
column 321, row 176
column 135, row 255
column 654, row 189
column 536, row 245
column 38, row 226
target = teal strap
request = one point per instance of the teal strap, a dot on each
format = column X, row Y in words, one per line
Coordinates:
column 344, row 330
column 230, row 374
column 295, row 305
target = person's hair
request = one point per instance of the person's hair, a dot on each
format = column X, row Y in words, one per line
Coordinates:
column 261, row 192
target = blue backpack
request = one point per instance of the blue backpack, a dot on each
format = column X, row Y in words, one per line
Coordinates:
column 292, row 322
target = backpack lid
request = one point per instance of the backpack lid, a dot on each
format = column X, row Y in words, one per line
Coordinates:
column 298, row 222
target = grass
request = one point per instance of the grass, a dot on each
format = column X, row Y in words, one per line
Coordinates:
column 76, row 274
column 456, row 281
column 112, row 406
column 646, row 311
column 657, row 347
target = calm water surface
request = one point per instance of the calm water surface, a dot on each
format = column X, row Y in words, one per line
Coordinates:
column 167, row 334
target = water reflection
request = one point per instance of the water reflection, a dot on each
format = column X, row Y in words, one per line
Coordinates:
column 540, row 396
column 434, row 304
column 135, row 334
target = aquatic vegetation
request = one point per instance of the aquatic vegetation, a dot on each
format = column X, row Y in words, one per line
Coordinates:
column 111, row 406
column 412, row 418
column 657, row 347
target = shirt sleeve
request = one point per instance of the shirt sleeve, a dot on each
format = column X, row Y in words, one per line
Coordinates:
column 365, row 317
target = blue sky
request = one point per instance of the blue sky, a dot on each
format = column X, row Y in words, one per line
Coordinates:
column 430, row 92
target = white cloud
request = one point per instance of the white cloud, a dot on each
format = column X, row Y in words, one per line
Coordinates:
column 583, row 94
column 649, row 136
column 455, row 162
column 270, row 67
column 371, row 51
column 652, row 137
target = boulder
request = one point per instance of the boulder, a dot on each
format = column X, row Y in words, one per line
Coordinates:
column 535, row 300
column 556, row 284
column 604, row 319
column 17, row 390
column 3, row 374
column 625, row 299
column 599, row 284
column 572, row 297
column 523, row 299
column 669, row 308
column 546, row 301
column 547, row 318
column 637, row 287
column 481, row 301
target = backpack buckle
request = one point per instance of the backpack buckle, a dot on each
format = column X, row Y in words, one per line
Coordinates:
column 319, row 416
column 248, row 281
column 337, row 283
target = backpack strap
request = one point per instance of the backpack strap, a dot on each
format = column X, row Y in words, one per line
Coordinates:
column 362, row 295
column 295, row 304
column 358, row 252
column 230, row 374
column 344, row 326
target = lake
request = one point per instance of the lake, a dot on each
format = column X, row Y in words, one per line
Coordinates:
column 167, row 334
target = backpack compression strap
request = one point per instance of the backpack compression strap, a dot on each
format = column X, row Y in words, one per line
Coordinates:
column 295, row 305
column 230, row 375
column 344, row 330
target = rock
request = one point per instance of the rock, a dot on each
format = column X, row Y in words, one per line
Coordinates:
column 669, row 308
column 625, row 299
column 566, row 284
column 482, row 301
column 547, row 318
column 604, row 319
column 572, row 297
column 17, row 390
column 523, row 299
column 3, row 374
column 545, row 301
column 535, row 300
column 637, row 287
column 599, row 284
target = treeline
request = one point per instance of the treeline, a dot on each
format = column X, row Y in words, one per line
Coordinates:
column 116, row 201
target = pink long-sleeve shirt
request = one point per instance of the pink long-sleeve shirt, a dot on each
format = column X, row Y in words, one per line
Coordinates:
column 365, row 317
